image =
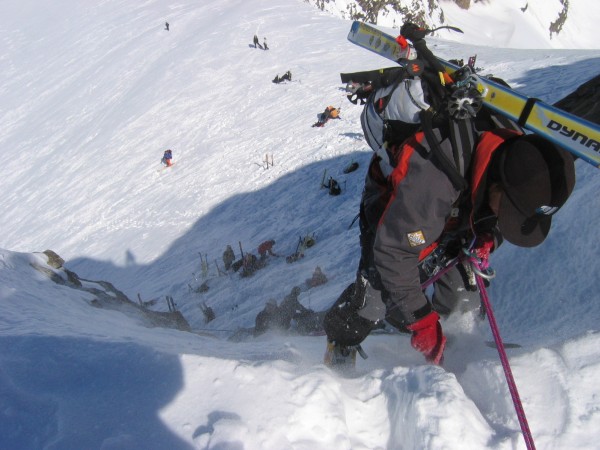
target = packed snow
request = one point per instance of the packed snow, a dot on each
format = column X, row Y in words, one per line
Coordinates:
column 91, row 95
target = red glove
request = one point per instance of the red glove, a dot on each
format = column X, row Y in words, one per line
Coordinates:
column 428, row 338
column 484, row 245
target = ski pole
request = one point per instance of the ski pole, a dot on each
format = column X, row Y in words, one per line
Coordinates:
column 512, row 386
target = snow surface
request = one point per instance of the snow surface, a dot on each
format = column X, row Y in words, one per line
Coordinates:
column 92, row 93
column 503, row 23
column 497, row 23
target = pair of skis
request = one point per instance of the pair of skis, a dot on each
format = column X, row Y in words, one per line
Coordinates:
column 576, row 135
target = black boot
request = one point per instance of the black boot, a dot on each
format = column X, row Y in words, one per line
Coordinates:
column 342, row 357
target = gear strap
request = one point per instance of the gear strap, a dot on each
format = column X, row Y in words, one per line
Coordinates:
column 462, row 138
column 445, row 164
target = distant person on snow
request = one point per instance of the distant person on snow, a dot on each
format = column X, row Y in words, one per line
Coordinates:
column 286, row 77
column 421, row 207
column 269, row 319
column 266, row 249
column 331, row 112
column 256, row 43
column 291, row 308
column 209, row 313
column 292, row 312
column 249, row 265
column 228, row 257
column 318, row 278
column 167, row 158
column 265, row 47
column 167, row 26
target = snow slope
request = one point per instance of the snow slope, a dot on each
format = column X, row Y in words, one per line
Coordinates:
column 93, row 93
column 505, row 24
column 496, row 23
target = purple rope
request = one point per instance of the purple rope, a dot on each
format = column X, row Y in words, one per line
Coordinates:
column 512, row 386
column 439, row 274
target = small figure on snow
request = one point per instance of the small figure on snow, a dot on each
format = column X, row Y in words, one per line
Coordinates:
column 269, row 319
column 303, row 243
column 333, row 186
column 209, row 313
column 318, row 278
column 167, row 26
column 167, row 158
column 291, row 307
column 331, row 112
column 265, row 47
column 296, row 316
column 249, row 265
column 266, row 249
column 228, row 257
column 256, row 43
column 285, row 77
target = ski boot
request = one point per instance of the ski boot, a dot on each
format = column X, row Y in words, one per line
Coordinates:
column 342, row 357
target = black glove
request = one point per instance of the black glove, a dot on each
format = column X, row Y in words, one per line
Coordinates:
column 359, row 92
column 413, row 32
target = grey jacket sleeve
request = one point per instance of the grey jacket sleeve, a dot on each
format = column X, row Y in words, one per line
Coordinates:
column 414, row 217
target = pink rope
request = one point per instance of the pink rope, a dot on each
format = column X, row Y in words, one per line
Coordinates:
column 512, row 386
column 439, row 274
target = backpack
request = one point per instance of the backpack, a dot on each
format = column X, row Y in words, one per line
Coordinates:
column 399, row 101
column 334, row 187
column 392, row 113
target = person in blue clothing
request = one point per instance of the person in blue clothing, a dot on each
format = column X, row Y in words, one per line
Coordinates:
column 167, row 158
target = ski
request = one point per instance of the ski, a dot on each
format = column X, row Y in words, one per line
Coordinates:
column 576, row 135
